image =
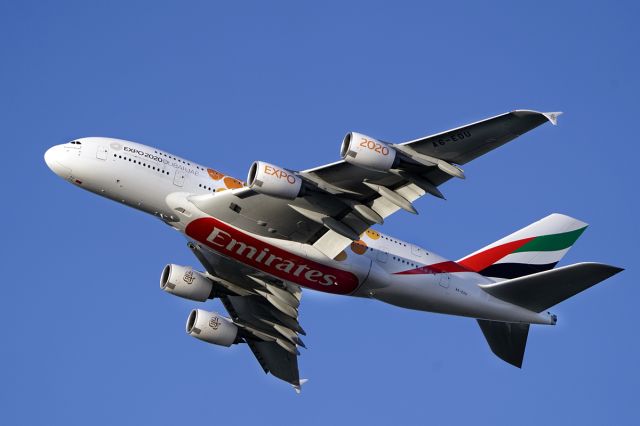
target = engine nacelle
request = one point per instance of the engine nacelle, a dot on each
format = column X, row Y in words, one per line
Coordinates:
column 211, row 327
column 272, row 180
column 366, row 152
column 183, row 281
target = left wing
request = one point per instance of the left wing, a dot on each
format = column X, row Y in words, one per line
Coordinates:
column 265, row 310
column 339, row 201
column 275, row 352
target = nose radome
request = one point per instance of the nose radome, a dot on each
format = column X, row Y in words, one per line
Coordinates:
column 53, row 157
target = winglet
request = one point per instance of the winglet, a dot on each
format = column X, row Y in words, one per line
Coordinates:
column 298, row 387
column 552, row 116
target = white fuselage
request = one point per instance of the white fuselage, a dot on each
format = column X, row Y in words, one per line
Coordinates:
column 378, row 266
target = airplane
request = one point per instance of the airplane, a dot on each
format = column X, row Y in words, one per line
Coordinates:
column 262, row 241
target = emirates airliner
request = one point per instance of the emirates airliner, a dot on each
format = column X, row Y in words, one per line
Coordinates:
column 261, row 242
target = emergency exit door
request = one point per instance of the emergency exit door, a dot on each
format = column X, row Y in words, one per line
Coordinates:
column 178, row 179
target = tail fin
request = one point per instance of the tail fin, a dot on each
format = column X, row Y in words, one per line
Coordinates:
column 535, row 248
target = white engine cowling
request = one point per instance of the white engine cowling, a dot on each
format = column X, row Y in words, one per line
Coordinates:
column 184, row 282
column 211, row 327
column 272, row 180
column 366, row 152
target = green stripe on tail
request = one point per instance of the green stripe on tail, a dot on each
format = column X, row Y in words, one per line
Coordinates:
column 552, row 242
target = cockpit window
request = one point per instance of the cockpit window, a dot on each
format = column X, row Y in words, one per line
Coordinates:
column 75, row 143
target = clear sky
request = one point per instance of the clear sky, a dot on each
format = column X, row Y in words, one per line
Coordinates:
column 89, row 338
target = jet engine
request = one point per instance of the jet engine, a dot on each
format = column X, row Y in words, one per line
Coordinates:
column 184, row 282
column 272, row 180
column 211, row 327
column 368, row 153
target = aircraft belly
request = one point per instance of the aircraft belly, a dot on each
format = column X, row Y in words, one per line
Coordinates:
column 420, row 293
column 461, row 297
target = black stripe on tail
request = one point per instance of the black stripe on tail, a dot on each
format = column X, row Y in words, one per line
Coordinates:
column 514, row 270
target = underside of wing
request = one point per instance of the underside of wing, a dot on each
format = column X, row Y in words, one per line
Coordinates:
column 264, row 310
column 277, row 358
column 330, row 206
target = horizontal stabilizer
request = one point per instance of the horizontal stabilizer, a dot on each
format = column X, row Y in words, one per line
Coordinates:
column 540, row 291
column 507, row 340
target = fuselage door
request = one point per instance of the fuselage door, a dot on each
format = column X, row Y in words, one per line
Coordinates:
column 444, row 280
column 416, row 251
column 101, row 154
column 178, row 179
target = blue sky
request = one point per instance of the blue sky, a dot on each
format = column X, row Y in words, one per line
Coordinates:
column 88, row 337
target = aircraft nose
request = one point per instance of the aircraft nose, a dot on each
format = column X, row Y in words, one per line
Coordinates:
column 53, row 158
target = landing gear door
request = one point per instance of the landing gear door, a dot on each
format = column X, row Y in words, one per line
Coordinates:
column 101, row 154
column 178, row 179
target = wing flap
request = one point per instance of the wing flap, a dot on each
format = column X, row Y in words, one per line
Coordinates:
column 331, row 243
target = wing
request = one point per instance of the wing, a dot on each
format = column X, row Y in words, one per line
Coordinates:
column 264, row 309
column 345, row 199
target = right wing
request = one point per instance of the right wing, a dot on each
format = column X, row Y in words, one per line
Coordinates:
column 346, row 199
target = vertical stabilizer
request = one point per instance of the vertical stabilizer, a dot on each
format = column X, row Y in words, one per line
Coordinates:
column 535, row 248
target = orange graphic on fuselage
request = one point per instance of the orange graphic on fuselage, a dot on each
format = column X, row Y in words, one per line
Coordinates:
column 229, row 182
column 341, row 257
column 373, row 234
column 232, row 183
column 359, row 247
column 214, row 174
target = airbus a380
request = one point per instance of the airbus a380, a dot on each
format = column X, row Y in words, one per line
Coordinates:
column 261, row 242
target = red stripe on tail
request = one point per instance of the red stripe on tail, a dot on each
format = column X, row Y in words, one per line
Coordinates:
column 479, row 261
